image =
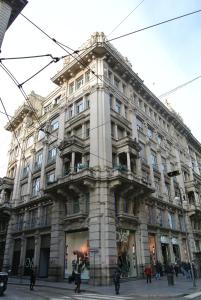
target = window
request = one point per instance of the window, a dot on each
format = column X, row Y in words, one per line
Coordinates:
column 33, row 218
column 154, row 160
column 111, row 100
column 118, row 106
column 110, row 75
column 45, row 215
column 79, row 82
column 47, row 108
column 70, row 111
column 20, row 221
column 126, row 112
column 150, row 132
column 54, row 124
column 167, row 189
column 87, row 76
column 87, row 101
column 139, row 124
column 38, row 160
column 52, row 154
column 56, row 100
column 164, row 165
column 36, row 187
column 24, row 189
column 30, row 141
column 120, row 133
column 76, row 205
column 124, row 88
column 25, row 170
column 71, row 88
column 41, row 134
column 79, row 106
column 181, row 223
column 50, row 177
column 87, row 129
column 116, row 81
column 159, row 139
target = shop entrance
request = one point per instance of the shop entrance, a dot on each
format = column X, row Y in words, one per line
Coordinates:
column 176, row 252
column 165, row 253
column 44, row 256
column 16, row 257
column 29, row 257
column 126, row 253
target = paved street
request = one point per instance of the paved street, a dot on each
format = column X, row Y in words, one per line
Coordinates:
column 135, row 290
column 44, row 293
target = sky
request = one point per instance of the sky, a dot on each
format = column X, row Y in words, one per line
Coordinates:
column 164, row 57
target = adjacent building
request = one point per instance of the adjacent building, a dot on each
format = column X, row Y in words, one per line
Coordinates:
column 88, row 176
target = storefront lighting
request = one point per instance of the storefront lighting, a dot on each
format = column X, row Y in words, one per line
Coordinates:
column 153, row 250
column 133, row 249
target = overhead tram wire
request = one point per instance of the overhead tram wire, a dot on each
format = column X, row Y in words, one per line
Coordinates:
column 125, row 18
column 28, row 57
column 179, row 87
column 18, row 142
column 154, row 25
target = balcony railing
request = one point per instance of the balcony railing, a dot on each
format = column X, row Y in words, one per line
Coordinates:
column 121, row 168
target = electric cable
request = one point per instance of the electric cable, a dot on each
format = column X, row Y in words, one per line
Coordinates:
column 125, row 18
column 18, row 142
column 154, row 25
column 179, row 87
column 28, row 57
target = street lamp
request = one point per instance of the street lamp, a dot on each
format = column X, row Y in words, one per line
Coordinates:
column 174, row 174
column 9, row 10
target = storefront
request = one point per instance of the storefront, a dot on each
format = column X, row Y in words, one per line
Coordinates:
column 77, row 253
column 44, row 255
column 29, row 257
column 176, row 250
column 126, row 252
column 165, row 249
column 152, row 248
column 16, row 257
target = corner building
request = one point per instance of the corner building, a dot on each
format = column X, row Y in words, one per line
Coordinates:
column 90, row 176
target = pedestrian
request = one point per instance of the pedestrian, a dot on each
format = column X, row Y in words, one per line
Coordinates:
column 176, row 269
column 116, row 279
column 148, row 273
column 77, row 277
column 158, row 271
column 32, row 279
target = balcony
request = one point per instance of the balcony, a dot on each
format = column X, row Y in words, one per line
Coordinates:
column 71, row 144
column 127, row 144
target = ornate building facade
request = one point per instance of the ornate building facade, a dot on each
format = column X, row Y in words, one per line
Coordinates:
column 88, row 166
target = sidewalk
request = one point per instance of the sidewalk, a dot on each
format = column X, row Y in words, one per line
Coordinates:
column 158, row 288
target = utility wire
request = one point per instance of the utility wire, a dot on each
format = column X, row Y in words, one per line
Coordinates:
column 26, row 57
column 18, row 142
column 154, row 25
column 125, row 18
column 178, row 87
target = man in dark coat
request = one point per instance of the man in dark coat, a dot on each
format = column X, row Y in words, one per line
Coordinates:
column 32, row 279
column 116, row 279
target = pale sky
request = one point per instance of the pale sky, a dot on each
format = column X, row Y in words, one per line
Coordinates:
column 164, row 57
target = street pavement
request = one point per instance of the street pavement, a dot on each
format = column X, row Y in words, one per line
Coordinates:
column 135, row 289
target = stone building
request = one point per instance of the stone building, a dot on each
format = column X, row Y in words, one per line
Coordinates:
column 89, row 167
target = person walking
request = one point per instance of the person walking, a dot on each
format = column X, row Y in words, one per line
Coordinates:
column 116, row 280
column 32, row 279
column 158, row 270
column 148, row 273
column 77, row 277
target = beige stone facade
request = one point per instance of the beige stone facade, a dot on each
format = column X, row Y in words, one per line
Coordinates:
column 90, row 179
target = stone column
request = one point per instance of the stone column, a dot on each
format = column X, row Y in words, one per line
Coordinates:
column 134, row 123
column 8, row 253
column 59, row 161
column 22, row 255
column 44, row 161
column 73, row 162
column 102, row 235
column 115, row 132
column 37, row 251
column 56, row 263
column 128, row 161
